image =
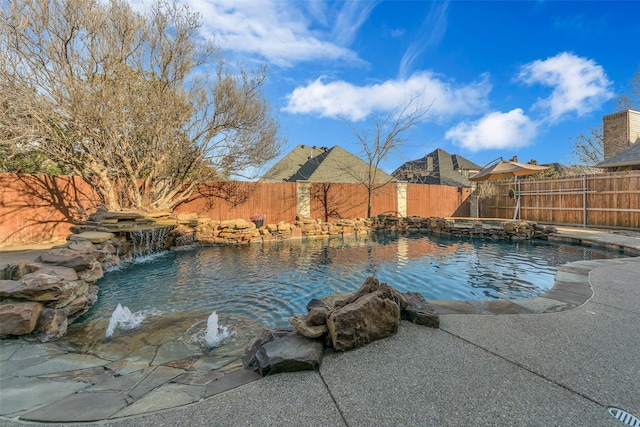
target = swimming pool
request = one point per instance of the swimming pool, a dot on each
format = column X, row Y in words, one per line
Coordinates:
column 268, row 283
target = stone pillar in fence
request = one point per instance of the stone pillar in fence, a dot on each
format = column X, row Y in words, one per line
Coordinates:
column 303, row 192
column 401, row 190
column 474, row 209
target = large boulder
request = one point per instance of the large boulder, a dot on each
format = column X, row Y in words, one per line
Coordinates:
column 371, row 317
column 289, row 353
column 282, row 350
column 370, row 284
column 18, row 317
column 249, row 360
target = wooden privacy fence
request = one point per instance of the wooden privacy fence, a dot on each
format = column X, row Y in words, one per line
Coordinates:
column 39, row 209
column 605, row 200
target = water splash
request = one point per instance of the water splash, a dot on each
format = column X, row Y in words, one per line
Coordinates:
column 215, row 334
column 123, row 319
column 140, row 259
column 148, row 241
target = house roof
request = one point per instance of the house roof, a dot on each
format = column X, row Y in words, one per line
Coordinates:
column 628, row 157
column 322, row 164
column 438, row 168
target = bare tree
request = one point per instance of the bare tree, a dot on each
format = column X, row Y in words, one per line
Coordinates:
column 631, row 101
column 588, row 149
column 138, row 105
column 385, row 135
column 331, row 200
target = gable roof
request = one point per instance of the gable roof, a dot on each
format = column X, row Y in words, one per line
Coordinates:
column 284, row 169
column 628, row 157
column 438, row 168
column 322, row 164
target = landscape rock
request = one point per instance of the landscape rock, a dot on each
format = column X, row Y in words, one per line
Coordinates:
column 370, row 284
column 303, row 328
column 77, row 306
column 317, row 316
column 18, row 317
column 81, row 245
column 419, row 311
column 52, row 324
column 50, row 283
column 15, row 272
column 67, row 258
column 289, row 353
column 92, row 273
column 125, row 215
column 44, row 298
column 369, row 318
column 267, row 335
column 93, row 236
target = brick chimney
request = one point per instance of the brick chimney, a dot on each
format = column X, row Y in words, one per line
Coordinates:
column 620, row 130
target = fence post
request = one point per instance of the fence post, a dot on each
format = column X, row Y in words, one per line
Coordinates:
column 303, row 197
column 474, row 201
column 584, row 201
column 401, row 191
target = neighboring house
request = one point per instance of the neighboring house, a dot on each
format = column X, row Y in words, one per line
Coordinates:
column 322, row 164
column 438, row 168
column 621, row 141
column 627, row 159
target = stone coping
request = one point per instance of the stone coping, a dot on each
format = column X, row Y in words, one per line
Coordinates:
column 571, row 289
column 571, row 286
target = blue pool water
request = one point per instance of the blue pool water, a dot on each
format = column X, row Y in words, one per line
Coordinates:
column 271, row 282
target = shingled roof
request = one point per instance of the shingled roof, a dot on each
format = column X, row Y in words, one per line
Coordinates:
column 438, row 168
column 321, row 164
column 629, row 158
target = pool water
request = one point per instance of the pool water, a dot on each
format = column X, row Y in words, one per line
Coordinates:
column 270, row 282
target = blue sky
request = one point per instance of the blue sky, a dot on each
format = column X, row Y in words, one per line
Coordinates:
column 500, row 78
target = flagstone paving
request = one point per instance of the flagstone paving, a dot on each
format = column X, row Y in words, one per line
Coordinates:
column 87, row 377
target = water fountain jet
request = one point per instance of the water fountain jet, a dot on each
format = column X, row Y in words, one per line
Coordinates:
column 122, row 318
column 215, row 333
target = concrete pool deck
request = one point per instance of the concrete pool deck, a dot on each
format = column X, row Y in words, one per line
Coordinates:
column 559, row 359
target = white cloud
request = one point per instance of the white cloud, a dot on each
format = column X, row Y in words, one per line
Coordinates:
column 431, row 32
column 579, row 85
column 340, row 98
column 495, row 130
column 350, row 18
column 283, row 32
